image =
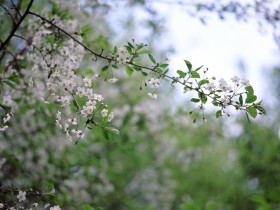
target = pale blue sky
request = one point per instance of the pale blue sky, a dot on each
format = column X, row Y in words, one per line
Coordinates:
column 219, row 45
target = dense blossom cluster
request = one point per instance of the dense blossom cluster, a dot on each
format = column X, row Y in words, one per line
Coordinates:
column 54, row 68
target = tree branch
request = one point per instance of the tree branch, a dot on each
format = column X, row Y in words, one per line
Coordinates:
column 16, row 26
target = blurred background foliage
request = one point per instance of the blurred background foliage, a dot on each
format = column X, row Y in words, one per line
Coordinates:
column 160, row 159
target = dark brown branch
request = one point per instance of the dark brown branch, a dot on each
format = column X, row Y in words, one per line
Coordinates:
column 16, row 26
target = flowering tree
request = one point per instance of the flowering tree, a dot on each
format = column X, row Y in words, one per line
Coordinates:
column 56, row 73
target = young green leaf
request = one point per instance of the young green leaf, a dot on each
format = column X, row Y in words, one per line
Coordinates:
column 129, row 70
column 105, row 68
column 250, row 90
column 152, row 58
column 164, row 65
column 194, row 74
column 181, row 74
column 202, row 97
column 241, row 99
column 252, row 111
column 203, row 82
column 195, row 100
column 189, row 65
column 144, row 52
column 261, row 109
column 144, row 73
column 250, row 99
column 218, row 113
column 197, row 69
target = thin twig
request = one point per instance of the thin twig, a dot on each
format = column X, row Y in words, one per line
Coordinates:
column 16, row 26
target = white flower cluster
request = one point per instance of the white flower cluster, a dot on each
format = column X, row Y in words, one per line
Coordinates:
column 124, row 56
column 21, row 196
column 60, row 63
column 7, row 101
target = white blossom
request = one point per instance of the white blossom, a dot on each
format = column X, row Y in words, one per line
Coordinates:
column 65, row 100
column 113, row 80
column 45, row 101
column 123, row 54
column 30, row 83
column 245, row 82
column 21, row 196
column 7, row 100
column 210, row 86
column 81, row 91
column 104, row 112
column 73, row 121
column 98, row 97
column 152, row 95
column 153, row 83
column 225, row 101
column 55, row 208
column 110, row 117
column 79, row 133
column 4, row 128
column 7, row 118
column 87, row 110
column 235, row 79
column 87, row 82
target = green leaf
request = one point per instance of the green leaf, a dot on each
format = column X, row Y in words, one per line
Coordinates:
column 164, row 65
column 202, row 97
column 250, row 90
column 144, row 52
column 144, row 73
column 49, row 186
column 129, row 70
column 165, row 72
column 86, row 207
column 198, row 68
column 130, row 45
column 203, row 82
column 189, row 65
column 14, row 78
column 114, row 66
column 247, row 116
column 105, row 68
column 152, row 58
column 212, row 206
column 129, row 50
column 194, row 74
column 86, row 29
column 195, row 100
column 58, row 201
column 181, row 73
column 136, row 68
column 106, row 134
column 114, row 130
column 215, row 103
column 140, row 46
column 7, row 82
column 250, row 99
column 252, row 111
column 89, row 72
column 241, row 99
column 115, row 50
column 218, row 113
column 261, row 109
column 6, row 108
